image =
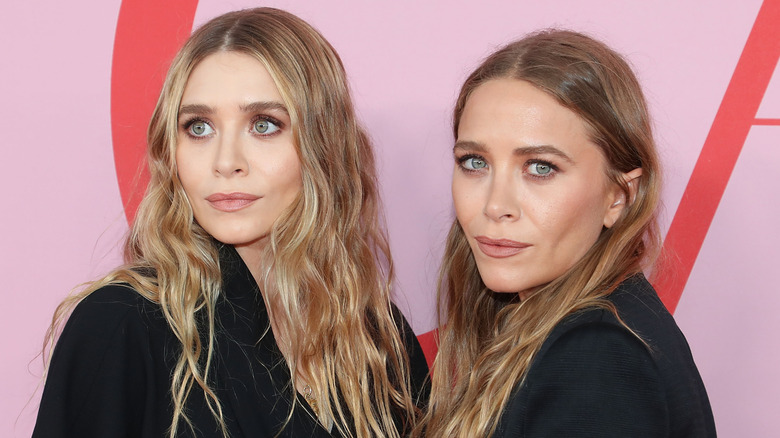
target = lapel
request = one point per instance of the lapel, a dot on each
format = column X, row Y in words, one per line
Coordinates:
column 253, row 376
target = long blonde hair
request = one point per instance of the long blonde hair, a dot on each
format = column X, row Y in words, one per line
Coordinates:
column 489, row 341
column 328, row 289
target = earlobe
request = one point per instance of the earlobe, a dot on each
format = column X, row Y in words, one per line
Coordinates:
column 619, row 202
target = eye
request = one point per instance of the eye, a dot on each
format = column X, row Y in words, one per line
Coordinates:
column 473, row 162
column 540, row 168
column 265, row 126
column 199, row 128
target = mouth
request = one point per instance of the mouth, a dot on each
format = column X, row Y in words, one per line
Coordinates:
column 230, row 202
column 499, row 248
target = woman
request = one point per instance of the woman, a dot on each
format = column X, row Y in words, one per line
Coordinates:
column 255, row 300
column 552, row 330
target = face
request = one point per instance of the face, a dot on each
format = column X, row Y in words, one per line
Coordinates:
column 530, row 189
column 235, row 154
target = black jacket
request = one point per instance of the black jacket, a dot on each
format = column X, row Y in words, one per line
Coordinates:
column 111, row 369
column 594, row 378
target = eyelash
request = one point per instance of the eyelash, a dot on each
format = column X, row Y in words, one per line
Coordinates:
column 462, row 160
column 269, row 119
column 553, row 168
column 187, row 124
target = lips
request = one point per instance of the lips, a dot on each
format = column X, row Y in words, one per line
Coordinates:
column 230, row 202
column 499, row 248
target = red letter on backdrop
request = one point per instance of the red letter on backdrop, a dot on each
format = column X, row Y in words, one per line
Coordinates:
column 148, row 34
column 735, row 117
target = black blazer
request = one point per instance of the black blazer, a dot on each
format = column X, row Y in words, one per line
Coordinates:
column 111, row 369
column 593, row 378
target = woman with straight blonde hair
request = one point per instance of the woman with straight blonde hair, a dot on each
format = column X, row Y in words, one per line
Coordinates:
column 549, row 327
column 255, row 299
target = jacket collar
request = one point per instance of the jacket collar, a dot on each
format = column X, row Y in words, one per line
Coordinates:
column 254, row 378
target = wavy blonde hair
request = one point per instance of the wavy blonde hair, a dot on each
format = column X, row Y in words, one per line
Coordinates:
column 488, row 341
column 328, row 289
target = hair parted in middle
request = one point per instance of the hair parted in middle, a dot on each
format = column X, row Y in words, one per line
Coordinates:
column 328, row 287
column 488, row 340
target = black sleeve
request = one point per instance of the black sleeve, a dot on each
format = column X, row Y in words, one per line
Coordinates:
column 97, row 383
column 595, row 380
column 418, row 366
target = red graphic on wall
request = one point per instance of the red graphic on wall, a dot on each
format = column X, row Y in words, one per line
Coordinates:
column 150, row 32
column 735, row 117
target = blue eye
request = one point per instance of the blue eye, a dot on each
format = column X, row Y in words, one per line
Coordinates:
column 540, row 168
column 264, row 127
column 473, row 163
column 199, row 128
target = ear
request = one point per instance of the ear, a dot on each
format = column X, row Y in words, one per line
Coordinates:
column 617, row 197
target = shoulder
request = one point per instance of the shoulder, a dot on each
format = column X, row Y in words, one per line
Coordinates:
column 112, row 310
column 640, row 341
column 112, row 321
column 639, row 306
column 592, row 379
column 607, row 375
column 113, row 331
column 593, row 334
column 116, row 299
column 110, row 361
column 641, row 317
column 594, row 353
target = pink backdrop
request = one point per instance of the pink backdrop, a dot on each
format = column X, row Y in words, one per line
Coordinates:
column 62, row 215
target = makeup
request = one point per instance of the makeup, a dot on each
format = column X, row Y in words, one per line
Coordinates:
column 500, row 248
column 230, row 202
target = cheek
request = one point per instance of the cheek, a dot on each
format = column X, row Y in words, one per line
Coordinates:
column 294, row 172
column 188, row 177
column 288, row 179
column 576, row 219
column 294, row 184
column 184, row 173
column 465, row 199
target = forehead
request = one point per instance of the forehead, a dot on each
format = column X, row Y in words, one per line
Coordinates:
column 225, row 77
column 514, row 113
column 520, row 106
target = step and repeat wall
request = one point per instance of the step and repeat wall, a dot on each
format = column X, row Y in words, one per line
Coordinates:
column 78, row 80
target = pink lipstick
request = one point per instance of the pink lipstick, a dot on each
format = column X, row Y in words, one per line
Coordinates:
column 229, row 202
column 499, row 248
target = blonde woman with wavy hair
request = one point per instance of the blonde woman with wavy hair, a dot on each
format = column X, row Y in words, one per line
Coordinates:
column 255, row 299
column 549, row 327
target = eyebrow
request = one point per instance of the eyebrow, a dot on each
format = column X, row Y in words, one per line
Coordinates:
column 195, row 109
column 253, row 107
column 521, row 151
column 258, row 107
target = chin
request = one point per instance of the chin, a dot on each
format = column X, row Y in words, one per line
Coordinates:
column 502, row 283
column 508, row 279
column 501, row 288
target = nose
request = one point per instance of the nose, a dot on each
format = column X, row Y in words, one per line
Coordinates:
column 229, row 159
column 503, row 198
